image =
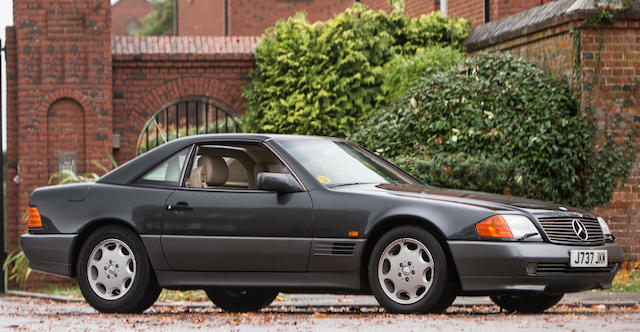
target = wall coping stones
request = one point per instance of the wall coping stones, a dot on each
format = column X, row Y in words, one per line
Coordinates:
column 189, row 47
column 549, row 15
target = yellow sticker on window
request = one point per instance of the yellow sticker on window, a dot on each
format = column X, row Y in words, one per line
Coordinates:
column 324, row 179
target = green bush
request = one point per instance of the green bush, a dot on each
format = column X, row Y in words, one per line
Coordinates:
column 324, row 78
column 502, row 110
column 404, row 72
column 463, row 171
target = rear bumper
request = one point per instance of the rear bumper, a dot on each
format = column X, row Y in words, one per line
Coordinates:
column 487, row 268
column 50, row 253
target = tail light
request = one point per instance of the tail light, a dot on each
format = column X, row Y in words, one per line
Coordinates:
column 33, row 218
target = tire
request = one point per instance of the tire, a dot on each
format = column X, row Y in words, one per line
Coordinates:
column 114, row 273
column 241, row 300
column 410, row 257
column 526, row 304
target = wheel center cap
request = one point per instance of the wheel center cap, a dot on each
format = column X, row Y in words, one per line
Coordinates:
column 112, row 269
column 406, row 271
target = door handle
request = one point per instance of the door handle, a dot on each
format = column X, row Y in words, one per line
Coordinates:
column 180, row 206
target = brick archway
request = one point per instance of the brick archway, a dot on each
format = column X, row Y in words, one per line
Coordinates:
column 65, row 112
column 54, row 96
column 158, row 97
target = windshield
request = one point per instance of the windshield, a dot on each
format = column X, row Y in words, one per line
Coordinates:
column 341, row 163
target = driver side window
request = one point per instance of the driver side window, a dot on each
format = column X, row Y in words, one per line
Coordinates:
column 231, row 166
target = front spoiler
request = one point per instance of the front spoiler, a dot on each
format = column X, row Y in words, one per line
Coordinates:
column 50, row 253
column 487, row 268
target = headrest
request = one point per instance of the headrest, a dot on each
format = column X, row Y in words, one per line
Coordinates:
column 266, row 166
column 215, row 169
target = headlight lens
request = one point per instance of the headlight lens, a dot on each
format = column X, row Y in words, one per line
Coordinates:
column 606, row 231
column 507, row 226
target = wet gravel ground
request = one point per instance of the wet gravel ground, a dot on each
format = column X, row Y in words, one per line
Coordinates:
column 29, row 314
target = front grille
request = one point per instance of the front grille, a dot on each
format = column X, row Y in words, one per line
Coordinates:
column 561, row 268
column 560, row 230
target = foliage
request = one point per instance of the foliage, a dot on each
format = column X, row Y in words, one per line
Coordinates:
column 502, row 110
column 20, row 270
column 324, row 78
column 404, row 72
column 66, row 176
column 628, row 278
column 463, row 171
column 160, row 21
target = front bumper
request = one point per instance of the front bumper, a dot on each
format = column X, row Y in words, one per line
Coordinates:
column 487, row 268
column 50, row 253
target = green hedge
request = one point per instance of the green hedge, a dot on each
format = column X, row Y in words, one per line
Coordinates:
column 462, row 171
column 506, row 111
column 324, row 78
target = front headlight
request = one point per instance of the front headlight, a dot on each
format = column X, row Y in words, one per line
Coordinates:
column 606, row 231
column 508, row 226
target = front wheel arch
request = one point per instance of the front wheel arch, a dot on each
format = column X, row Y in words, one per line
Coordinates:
column 391, row 222
column 86, row 231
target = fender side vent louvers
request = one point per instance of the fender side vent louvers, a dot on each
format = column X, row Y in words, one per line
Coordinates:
column 334, row 249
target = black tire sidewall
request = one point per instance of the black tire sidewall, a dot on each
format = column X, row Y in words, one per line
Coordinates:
column 137, row 297
column 254, row 300
column 440, row 276
column 527, row 304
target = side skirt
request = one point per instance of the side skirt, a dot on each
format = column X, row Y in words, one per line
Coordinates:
column 283, row 281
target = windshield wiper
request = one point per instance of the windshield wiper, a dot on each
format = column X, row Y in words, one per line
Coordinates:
column 347, row 184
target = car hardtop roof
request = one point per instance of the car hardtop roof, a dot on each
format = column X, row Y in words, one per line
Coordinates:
column 139, row 165
column 243, row 136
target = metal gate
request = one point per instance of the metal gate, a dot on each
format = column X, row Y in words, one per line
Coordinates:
column 186, row 117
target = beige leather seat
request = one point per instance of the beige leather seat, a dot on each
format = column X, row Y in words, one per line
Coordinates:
column 212, row 171
column 270, row 167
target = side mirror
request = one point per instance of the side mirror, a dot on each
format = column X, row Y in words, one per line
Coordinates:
column 282, row 183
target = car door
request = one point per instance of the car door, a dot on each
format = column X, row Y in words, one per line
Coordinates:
column 228, row 227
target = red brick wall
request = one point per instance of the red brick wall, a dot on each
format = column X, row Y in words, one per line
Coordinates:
column 142, row 87
column 201, row 17
column 59, row 51
column 124, row 11
column 413, row 8
column 613, row 85
column 610, row 85
column 469, row 9
column 251, row 18
column 13, row 226
column 58, row 126
column 503, row 8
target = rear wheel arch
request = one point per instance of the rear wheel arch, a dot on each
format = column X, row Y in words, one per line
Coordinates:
column 389, row 223
column 87, row 230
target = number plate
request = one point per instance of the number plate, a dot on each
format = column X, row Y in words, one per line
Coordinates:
column 588, row 258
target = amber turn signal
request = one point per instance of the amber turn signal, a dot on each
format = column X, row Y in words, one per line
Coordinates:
column 353, row 233
column 494, row 227
column 34, row 218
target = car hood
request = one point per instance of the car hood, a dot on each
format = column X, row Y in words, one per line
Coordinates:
column 480, row 199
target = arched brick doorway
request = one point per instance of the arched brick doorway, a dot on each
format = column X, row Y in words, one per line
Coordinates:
column 187, row 116
column 65, row 137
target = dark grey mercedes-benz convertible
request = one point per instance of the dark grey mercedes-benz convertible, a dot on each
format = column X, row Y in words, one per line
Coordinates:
column 246, row 216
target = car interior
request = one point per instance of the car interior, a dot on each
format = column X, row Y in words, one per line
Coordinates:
column 231, row 167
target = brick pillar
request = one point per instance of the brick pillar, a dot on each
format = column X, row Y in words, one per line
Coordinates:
column 60, row 78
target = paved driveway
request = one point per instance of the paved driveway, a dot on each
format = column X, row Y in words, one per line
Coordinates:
column 29, row 314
